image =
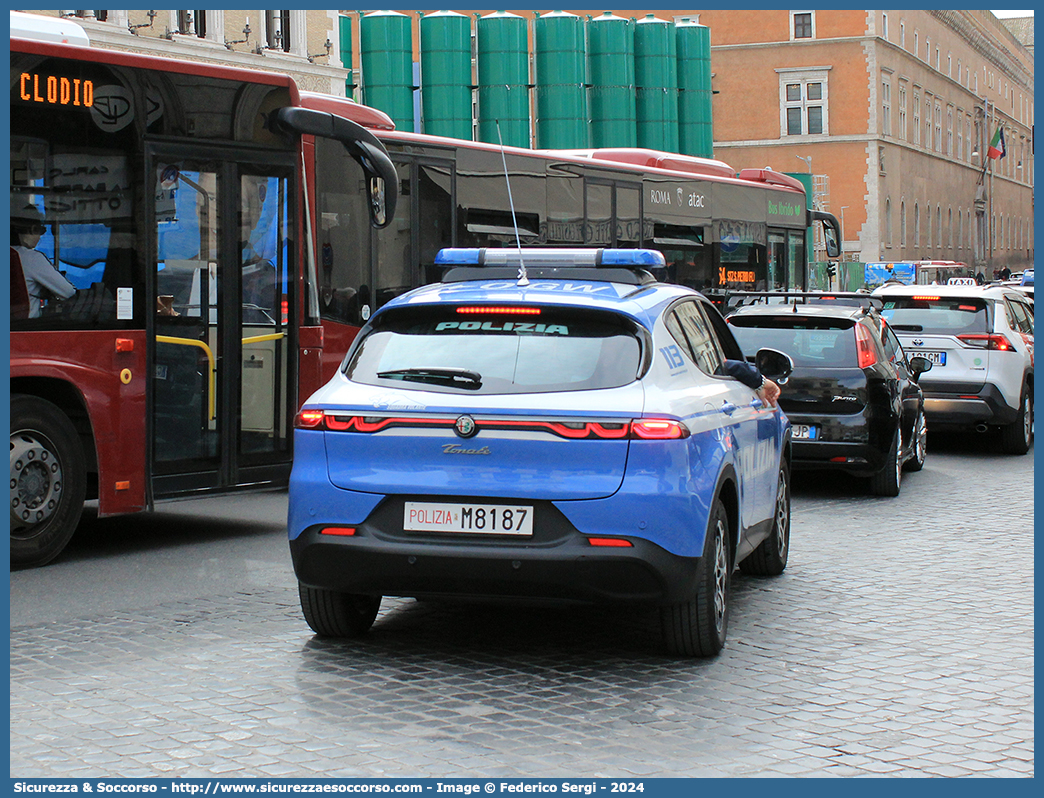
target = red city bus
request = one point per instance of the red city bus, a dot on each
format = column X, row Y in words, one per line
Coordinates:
column 164, row 314
column 718, row 230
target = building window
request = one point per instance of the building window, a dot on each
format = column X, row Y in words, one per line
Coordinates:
column 917, row 37
column 949, row 227
column 917, row 224
column 960, row 228
column 881, row 160
column 902, row 112
column 278, row 30
column 902, row 224
column 884, row 27
column 938, row 127
column 803, row 102
column 937, row 58
column 802, row 24
column 192, row 23
column 888, row 222
column 938, row 225
column 949, row 132
column 960, row 135
column 886, row 105
column 928, row 226
column 927, row 50
column 917, row 117
column 927, row 123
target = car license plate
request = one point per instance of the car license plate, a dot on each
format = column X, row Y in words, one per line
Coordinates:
column 804, row 432
column 482, row 519
column 936, row 358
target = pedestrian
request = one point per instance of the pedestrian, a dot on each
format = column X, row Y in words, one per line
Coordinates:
column 42, row 280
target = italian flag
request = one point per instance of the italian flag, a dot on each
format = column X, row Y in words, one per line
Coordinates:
column 996, row 149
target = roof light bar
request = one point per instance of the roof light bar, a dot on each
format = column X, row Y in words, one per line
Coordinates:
column 553, row 257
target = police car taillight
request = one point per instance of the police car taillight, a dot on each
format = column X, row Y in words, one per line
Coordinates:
column 309, row 419
column 655, row 429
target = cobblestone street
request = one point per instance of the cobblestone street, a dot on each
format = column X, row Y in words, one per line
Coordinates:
column 899, row 642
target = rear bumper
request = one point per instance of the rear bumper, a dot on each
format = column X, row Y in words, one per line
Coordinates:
column 556, row 564
column 944, row 406
column 858, row 444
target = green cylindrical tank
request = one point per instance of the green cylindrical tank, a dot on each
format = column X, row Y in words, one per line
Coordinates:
column 656, row 80
column 695, row 107
column 503, row 79
column 386, row 44
column 610, row 58
column 561, row 75
column 344, row 39
column 446, row 74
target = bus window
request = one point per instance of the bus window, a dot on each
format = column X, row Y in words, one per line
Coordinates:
column 598, row 231
column 395, row 273
column 435, row 222
column 741, row 255
column 565, row 208
column 344, row 235
column 70, row 164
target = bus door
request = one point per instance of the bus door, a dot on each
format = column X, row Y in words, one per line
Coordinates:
column 777, row 260
column 222, row 388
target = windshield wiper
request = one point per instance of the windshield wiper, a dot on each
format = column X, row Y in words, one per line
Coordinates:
column 460, row 378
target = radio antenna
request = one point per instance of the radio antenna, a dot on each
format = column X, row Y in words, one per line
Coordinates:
column 523, row 280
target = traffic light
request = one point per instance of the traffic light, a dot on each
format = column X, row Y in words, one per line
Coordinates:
column 831, row 270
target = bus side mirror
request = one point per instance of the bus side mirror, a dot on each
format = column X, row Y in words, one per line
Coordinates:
column 833, row 247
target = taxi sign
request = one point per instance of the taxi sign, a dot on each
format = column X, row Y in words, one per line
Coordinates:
column 961, row 281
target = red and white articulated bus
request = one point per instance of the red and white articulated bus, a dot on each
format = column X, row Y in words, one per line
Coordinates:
column 228, row 235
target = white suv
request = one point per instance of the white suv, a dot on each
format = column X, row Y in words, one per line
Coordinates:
column 980, row 342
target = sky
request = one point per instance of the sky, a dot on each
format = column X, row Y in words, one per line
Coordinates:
column 1006, row 14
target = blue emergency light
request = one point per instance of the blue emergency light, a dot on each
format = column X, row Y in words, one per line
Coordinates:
column 550, row 257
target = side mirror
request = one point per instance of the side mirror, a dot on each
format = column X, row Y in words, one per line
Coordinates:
column 919, row 365
column 775, row 365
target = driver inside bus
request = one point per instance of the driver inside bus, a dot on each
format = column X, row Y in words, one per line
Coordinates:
column 42, row 280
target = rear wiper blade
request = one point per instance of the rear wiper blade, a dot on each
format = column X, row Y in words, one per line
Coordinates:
column 461, row 378
column 907, row 327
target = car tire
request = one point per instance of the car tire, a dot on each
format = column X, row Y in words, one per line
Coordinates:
column 770, row 557
column 919, row 443
column 698, row 627
column 48, row 481
column 1017, row 436
column 888, row 480
column 333, row 614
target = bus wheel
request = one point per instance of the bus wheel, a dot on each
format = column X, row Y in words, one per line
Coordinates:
column 48, row 481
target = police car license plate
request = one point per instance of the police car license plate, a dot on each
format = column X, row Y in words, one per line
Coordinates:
column 804, row 432
column 936, row 358
column 482, row 519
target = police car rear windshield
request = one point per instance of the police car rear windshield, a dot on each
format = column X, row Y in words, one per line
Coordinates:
column 936, row 315
column 489, row 349
column 811, row 343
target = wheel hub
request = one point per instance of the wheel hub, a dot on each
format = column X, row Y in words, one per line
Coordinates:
column 36, row 481
column 721, row 576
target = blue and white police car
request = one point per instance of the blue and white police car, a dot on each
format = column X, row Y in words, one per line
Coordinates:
column 543, row 424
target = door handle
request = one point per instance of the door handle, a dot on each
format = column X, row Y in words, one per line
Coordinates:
column 728, row 408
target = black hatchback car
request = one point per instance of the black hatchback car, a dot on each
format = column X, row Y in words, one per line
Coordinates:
column 853, row 398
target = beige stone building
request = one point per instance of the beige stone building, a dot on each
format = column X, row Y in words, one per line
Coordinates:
column 891, row 111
